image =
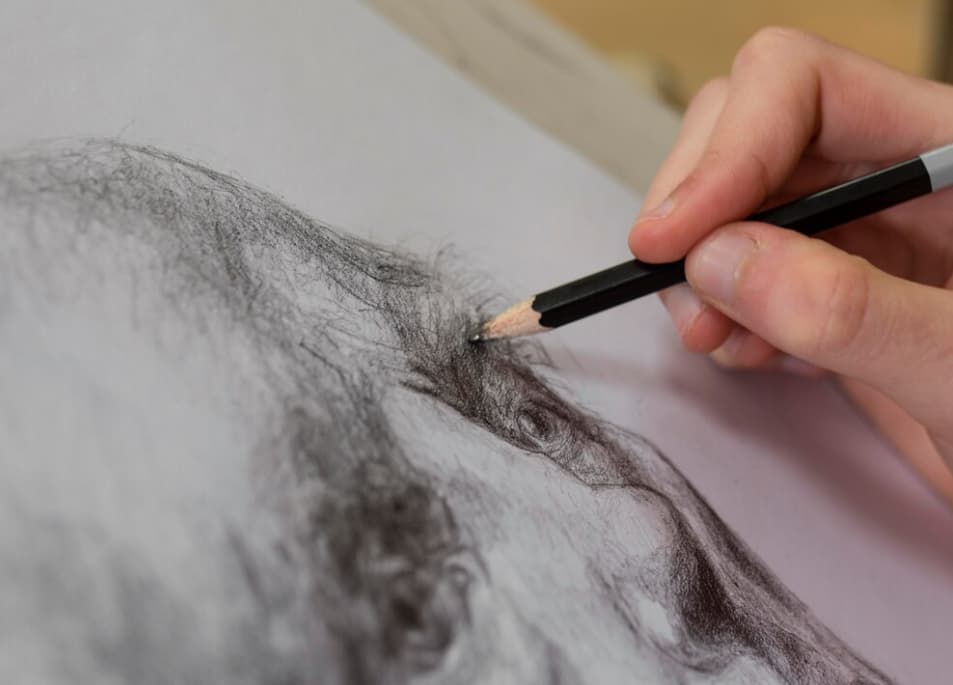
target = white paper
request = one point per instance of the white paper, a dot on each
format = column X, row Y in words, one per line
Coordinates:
column 329, row 107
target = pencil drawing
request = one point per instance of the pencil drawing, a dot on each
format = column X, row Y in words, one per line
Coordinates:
column 237, row 445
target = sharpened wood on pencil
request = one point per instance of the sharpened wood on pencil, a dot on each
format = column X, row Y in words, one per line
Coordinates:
column 519, row 320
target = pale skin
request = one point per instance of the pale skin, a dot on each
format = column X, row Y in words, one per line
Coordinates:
column 871, row 302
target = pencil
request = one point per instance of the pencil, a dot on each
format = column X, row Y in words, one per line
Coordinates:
column 809, row 215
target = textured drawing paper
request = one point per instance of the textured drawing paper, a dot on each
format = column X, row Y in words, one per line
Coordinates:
column 240, row 440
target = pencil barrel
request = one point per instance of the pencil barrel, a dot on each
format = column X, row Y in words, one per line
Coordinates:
column 851, row 200
column 809, row 215
column 604, row 290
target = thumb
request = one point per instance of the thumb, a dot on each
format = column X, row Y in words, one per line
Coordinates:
column 834, row 310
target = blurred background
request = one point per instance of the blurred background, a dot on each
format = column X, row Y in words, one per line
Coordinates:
column 673, row 47
column 609, row 77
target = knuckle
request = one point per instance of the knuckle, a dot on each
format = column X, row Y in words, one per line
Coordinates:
column 757, row 174
column 712, row 92
column 844, row 303
column 769, row 43
column 745, row 172
column 705, row 106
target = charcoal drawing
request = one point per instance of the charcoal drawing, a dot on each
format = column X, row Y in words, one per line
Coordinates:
column 237, row 445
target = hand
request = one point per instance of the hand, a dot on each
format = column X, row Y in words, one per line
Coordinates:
column 872, row 301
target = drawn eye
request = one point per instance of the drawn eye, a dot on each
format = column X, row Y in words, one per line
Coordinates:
column 535, row 424
column 539, row 428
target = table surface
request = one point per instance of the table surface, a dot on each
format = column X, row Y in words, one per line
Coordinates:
column 547, row 75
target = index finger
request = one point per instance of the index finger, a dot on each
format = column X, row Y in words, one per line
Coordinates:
column 791, row 93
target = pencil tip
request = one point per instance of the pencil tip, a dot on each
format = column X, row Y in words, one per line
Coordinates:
column 520, row 319
column 479, row 334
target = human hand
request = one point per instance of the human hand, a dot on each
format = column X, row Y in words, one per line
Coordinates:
column 872, row 301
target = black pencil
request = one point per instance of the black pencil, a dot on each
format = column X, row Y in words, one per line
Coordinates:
column 633, row 279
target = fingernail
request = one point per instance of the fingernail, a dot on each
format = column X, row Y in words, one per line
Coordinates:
column 683, row 306
column 800, row 367
column 716, row 265
column 660, row 211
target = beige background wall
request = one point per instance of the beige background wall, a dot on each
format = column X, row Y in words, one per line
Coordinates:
column 679, row 44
